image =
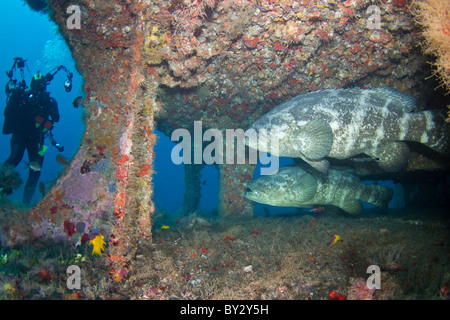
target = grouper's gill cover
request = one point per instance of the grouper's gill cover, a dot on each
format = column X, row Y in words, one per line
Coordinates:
column 277, row 189
column 301, row 186
column 347, row 122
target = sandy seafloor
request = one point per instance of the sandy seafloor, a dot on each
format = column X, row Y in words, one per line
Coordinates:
column 280, row 257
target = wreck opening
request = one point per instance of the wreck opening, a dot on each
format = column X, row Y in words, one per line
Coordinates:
column 42, row 50
column 183, row 189
column 168, row 177
column 209, row 200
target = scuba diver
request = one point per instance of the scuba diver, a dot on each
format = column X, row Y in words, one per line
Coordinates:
column 30, row 115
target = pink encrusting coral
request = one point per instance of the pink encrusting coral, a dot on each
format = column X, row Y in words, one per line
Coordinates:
column 84, row 189
column 360, row 291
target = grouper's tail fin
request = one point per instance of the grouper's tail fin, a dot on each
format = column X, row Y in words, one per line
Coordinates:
column 377, row 195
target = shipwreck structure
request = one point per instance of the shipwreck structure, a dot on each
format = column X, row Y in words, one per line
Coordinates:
column 165, row 64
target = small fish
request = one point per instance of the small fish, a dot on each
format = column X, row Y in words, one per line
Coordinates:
column 317, row 209
column 335, row 238
column 164, row 227
column 33, row 165
column 77, row 102
column 62, row 160
column 98, row 244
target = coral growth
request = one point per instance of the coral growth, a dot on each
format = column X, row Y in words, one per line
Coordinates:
column 188, row 14
column 9, row 178
column 434, row 16
column 360, row 291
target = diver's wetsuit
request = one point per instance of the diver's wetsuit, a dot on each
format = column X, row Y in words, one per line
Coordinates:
column 22, row 113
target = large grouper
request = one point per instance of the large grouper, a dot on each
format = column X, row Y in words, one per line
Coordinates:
column 342, row 123
column 303, row 187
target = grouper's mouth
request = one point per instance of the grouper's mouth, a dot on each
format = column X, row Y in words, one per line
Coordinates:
column 247, row 192
column 251, row 194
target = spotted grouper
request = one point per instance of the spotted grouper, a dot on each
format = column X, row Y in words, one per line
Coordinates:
column 303, row 187
column 341, row 123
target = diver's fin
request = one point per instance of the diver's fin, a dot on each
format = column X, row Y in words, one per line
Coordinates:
column 353, row 207
column 317, row 138
column 393, row 156
column 320, row 165
column 307, row 184
column 379, row 196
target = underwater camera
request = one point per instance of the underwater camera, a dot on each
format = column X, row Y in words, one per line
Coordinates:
column 20, row 63
column 12, row 84
column 67, row 83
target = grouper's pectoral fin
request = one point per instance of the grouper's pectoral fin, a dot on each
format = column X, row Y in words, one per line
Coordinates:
column 316, row 138
column 393, row 156
column 305, row 186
